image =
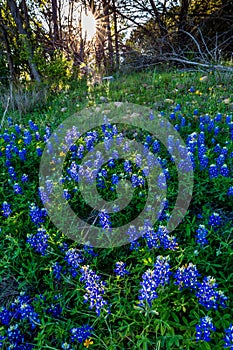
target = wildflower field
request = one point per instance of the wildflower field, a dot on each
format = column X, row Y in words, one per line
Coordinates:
column 162, row 289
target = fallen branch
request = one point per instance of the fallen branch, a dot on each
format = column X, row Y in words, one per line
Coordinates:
column 4, row 114
column 193, row 63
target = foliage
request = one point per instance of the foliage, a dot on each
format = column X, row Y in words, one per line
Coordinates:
column 45, row 277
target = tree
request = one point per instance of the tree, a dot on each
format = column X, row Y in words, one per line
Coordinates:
column 24, row 34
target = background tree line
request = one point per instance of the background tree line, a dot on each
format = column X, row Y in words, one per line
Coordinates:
column 43, row 38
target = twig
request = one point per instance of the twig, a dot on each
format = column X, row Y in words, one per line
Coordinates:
column 4, row 114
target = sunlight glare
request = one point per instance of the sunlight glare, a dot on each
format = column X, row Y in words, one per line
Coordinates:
column 88, row 26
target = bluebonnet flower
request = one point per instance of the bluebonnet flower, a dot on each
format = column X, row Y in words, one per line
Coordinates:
column 6, row 136
column 39, row 151
column 14, row 335
column 204, row 329
column 186, row 276
column 1, row 339
column 156, row 146
column 32, row 125
column 73, row 171
column 95, row 289
column 55, row 310
column 120, row 269
column 63, row 246
column 166, row 241
column 208, row 295
column 192, row 89
column 49, row 186
column 39, row 241
column 152, row 279
column 224, row 171
column 12, row 173
column 27, row 137
column 37, row 215
column 89, row 250
column 150, row 235
column 57, row 270
column 136, row 180
column 81, row 334
column 17, row 189
column 172, row 116
column 26, row 311
column 218, row 117
column 220, row 160
column 100, row 181
column 185, row 166
column 37, row 136
column 215, row 220
column 24, row 178
column 201, row 235
column 132, row 233
column 201, row 150
column 66, row 194
column 216, row 130
column 6, row 209
column 73, row 258
column 148, row 291
column 22, row 154
column 162, row 181
column 104, row 220
column 224, row 151
column 43, row 195
column 115, row 179
column 195, row 112
column 17, row 128
column 211, row 125
column 111, row 163
column 138, row 160
column 127, row 166
column 228, row 337
column 213, row 171
column 204, row 161
column 146, row 171
column 5, row 316
column 201, row 138
column 10, row 121
column 183, row 122
column 230, row 191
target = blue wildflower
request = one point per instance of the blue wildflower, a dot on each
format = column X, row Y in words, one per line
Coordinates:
column 39, row 241
column 186, row 276
column 120, row 269
column 203, row 330
column 208, row 295
column 6, row 209
column 228, row 337
column 81, row 334
column 201, row 235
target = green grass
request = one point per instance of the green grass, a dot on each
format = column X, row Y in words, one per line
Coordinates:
column 170, row 322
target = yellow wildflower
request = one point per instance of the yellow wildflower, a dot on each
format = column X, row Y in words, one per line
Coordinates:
column 88, row 342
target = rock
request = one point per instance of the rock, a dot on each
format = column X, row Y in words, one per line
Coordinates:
column 103, row 99
column 168, row 100
column 109, row 78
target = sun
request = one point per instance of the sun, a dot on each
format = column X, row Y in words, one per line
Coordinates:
column 88, row 25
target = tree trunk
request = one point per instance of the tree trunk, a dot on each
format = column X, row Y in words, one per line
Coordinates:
column 110, row 61
column 116, row 35
column 55, row 23
column 16, row 15
column 162, row 28
column 8, row 49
